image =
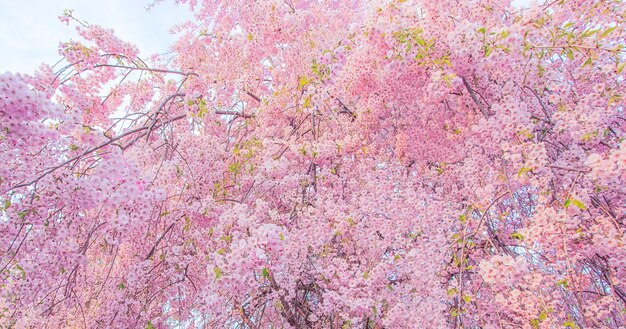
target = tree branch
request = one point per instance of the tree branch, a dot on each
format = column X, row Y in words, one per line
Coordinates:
column 145, row 69
column 235, row 113
column 156, row 244
column 90, row 150
column 256, row 98
column 544, row 108
column 484, row 109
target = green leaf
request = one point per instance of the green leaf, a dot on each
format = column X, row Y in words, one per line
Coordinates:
column 150, row 326
column 588, row 32
column 467, row 299
column 569, row 53
column 587, row 62
column 265, row 273
column 517, row 236
column 187, row 224
column 540, row 70
column 218, row 272
column 534, row 323
column 351, row 221
column 234, row 168
column 563, row 283
column 620, row 68
column 303, row 82
column 488, row 51
column 7, row 204
column 608, row 31
column 121, row 285
column 481, row 30
column 522, row 171
column 570, row 324
column 579, row 204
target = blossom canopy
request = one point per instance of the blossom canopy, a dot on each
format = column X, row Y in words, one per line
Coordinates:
column 323, row 164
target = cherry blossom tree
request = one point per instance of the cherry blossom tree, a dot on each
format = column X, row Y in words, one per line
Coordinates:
column 323, row 164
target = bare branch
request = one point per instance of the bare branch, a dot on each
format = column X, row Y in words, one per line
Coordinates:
column 235, row 113
column 90, row 150
column 484, row 109
column 133, row 68
column 156, row 244
column 256, row 98
column 544, row 108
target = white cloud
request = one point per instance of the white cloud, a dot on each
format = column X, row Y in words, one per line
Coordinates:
column 30, row 31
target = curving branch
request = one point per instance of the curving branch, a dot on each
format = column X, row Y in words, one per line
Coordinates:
column 95, row 148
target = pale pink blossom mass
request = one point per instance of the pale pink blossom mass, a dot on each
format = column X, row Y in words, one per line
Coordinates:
column 322, row 164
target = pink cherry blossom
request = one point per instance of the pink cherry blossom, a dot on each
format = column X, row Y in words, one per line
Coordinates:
column 322, row 164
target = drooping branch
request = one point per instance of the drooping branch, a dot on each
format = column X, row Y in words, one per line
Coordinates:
column 484, row 109
column 133, row 68
column 95, row 148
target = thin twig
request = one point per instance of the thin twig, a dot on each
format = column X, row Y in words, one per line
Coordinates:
column 145, row 69
column 88, row 151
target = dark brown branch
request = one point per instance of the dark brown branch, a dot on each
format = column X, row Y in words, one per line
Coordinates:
column 161, row 106
column 286, row 310
column 570, row 169
column 544, row 108
column 484, row 109
column 156, row 244
column 346, row 109
column 246, row 318
column 255, row 97
column 235, row 113
column 145, row 69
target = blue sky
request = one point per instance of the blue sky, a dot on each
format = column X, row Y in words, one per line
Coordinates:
column 30, row 31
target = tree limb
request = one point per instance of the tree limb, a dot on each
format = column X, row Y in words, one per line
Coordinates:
column 484, row 109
